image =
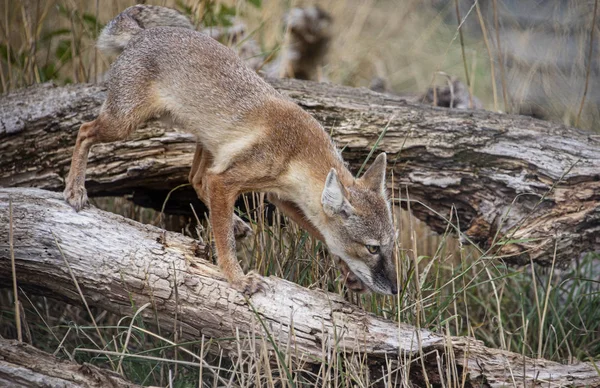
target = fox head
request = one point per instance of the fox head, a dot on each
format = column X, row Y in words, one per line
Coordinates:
column 360, row 227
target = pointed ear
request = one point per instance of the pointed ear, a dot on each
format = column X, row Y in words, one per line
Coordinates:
column 374, row 177
column 332, row 198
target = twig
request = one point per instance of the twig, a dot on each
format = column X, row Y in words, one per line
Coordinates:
column 500, row 58
column 8, row 48
column 95, row 47
column 14, row 271
column 128, row 337
column 462, row 48
column 589, row 64
column 447, row 49
column 487, row 46
column 139, row 356
column 162, row 210
column 201, row 362
column 175, row 336
column 547, row 297
column 375, row 145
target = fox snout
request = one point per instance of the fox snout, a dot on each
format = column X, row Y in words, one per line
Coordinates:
column 383, row 276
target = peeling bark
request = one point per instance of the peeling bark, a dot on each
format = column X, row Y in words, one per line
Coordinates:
column 536, row 182
column 22, row 365
column 119, row 263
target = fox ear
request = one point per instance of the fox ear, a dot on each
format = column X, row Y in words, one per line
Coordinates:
column 333, row 197
column 374, row 177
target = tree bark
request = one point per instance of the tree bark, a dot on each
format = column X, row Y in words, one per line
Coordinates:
column 493, row 175
column 119, row 263
column 22, row 365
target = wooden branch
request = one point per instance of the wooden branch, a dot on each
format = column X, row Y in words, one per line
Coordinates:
column 119, row 263
column 536, row 182
column 22, row 365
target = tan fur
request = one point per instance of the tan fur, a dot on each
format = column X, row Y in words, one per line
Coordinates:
column 250, row 138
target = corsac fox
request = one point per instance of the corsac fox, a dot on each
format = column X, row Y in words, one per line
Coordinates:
column 249, row 138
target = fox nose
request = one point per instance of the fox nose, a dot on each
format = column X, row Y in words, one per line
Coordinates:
column 394, row 289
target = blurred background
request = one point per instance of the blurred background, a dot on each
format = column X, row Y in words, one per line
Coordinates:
column 517, row 56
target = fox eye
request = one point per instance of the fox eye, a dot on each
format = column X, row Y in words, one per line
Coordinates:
column 373, row 249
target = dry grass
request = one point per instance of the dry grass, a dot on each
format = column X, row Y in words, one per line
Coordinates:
column 448, row 286
column 531, row 311
column 457, row 291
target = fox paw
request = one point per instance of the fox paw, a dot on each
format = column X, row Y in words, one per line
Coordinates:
column 354, row 284
column 250, row 284
column 241, row 230
column 76, row 197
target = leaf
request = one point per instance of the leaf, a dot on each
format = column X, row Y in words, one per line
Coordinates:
column 4, row 52
column 90, row 19
column 63, row 51
column 256, row 3
column 61, row 31
column 183, row 8
column 226, row 15
column 47, row 72
column 63, row 10
column 93, row 24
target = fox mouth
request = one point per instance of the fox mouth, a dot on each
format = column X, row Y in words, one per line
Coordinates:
column 386, row 290
column 374, row 283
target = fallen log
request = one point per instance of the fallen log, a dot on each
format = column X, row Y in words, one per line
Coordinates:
column 119, row 263
column 498, row 177
column 22, row 365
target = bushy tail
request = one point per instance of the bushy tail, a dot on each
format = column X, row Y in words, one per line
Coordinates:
column 119, row 31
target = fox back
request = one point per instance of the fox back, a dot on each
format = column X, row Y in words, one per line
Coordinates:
column 188, row 75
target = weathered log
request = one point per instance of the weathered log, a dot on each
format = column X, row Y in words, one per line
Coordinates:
column 22, row 365
column 535, row 182
column 119, row 263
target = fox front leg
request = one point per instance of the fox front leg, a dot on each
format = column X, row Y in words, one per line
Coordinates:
column 221, row 203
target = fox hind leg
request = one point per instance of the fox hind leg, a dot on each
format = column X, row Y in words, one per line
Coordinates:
column 115, row 122
column 200, row 165
column 103, row 129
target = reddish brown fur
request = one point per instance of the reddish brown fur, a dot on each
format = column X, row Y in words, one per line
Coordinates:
column 250, row 138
